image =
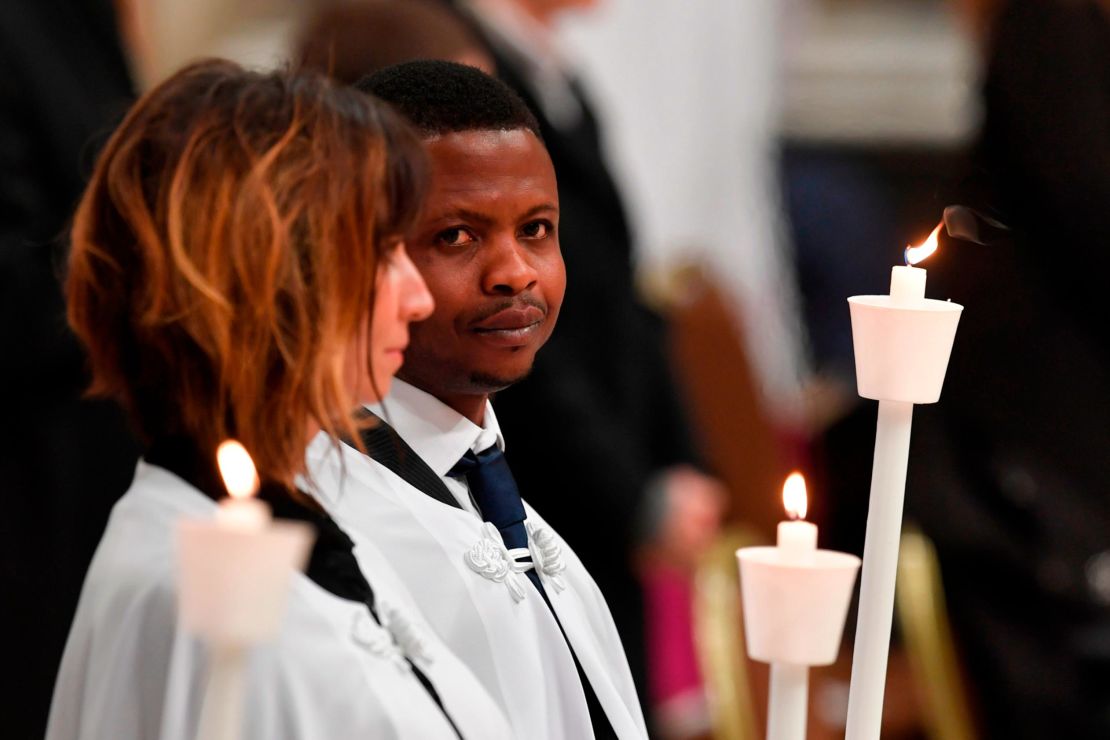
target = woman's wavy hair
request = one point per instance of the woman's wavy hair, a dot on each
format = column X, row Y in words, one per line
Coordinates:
column 224, row 255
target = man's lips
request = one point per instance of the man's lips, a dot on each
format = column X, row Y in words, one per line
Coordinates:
column 511, row 319
column 510, row 327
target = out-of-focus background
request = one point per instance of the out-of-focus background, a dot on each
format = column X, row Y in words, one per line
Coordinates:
column 730, row 173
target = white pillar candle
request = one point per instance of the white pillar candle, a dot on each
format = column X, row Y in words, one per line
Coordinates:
column 796, row 539
column 907, row 284
column 240, row 510
column 244, row 514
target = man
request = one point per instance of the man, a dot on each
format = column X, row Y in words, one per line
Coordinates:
column 606, row 372
column 504, row 591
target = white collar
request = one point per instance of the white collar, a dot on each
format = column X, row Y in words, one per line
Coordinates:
column 435, row 431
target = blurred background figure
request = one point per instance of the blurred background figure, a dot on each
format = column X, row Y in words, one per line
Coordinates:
column 349, row 40
column 64, row 460
column 1016, row 493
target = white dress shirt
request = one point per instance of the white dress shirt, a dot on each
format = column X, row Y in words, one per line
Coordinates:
column 129, row 672
column 454, row 567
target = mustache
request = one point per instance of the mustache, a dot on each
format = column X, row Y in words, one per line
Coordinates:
column 520, row 301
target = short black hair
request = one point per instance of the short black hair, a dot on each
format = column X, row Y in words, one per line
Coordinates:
column 444, row 98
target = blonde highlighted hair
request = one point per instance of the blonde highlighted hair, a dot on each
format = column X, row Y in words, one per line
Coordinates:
column 225, row 251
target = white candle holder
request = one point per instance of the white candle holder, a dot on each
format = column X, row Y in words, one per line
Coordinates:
column 233, row 587
column 902, row 347
column 794, row 615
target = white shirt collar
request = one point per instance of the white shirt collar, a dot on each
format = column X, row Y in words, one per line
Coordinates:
column 435, row 431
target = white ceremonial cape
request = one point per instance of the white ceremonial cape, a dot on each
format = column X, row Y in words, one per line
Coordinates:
column 495, row 622
column 129, row 673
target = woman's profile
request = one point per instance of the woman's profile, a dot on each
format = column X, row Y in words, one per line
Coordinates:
column 237, row 271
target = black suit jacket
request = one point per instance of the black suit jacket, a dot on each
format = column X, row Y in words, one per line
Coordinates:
column 63, row 461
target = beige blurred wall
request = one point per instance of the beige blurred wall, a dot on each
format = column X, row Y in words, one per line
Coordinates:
column 166, row 34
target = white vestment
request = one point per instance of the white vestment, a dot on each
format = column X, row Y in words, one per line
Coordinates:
column 129, row 673
column 455, row 567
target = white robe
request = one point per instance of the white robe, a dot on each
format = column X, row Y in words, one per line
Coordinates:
column 513, row 645
column 129, row 673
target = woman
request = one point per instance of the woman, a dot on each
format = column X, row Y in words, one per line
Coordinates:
column 236, row 273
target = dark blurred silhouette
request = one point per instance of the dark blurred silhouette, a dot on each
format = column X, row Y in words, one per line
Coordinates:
column 63, row 461
column 349, row 40
column 1012, row 472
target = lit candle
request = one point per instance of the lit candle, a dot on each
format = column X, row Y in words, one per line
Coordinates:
column 795, row 601
column 907, row 283
column 797, row 538
column 240, row 510
column 902, row 344
column 789, row 683
column 234, row 577
column 240, row 514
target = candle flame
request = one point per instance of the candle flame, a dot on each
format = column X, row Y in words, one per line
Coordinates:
column 237, row 469
column 926, row 248
column 794, row 496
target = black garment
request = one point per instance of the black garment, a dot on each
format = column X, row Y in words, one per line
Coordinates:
column 601, row 396
column 1012, row 469
column 332, row 564
column 63, row 461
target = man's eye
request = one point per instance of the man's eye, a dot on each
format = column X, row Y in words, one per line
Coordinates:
column 536, row 229
column 454, row 237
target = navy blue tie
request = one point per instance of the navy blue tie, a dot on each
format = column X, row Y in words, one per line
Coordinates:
column 494, row 490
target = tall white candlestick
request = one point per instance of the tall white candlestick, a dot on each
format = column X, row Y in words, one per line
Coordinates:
column 221, row 714
column 788, row 702
column 880, row 567
column 880, row 550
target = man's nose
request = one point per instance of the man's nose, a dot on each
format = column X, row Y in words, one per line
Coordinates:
column 509, row 269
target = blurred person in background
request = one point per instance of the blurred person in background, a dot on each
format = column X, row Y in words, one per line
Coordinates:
column 605, row 374
column 1016, row 491
column 351, row 39
column 64, row 460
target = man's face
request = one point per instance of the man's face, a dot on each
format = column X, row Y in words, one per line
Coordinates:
column 488, row 248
